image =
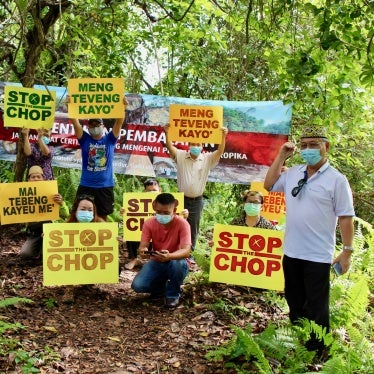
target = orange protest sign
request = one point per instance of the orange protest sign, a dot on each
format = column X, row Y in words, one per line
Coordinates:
column 196, row 124
column 247, row 256
column 80, row 253
column 96, row 97
column 28, row 202
column 138, row 208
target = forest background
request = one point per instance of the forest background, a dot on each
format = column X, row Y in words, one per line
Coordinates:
column 317, row 55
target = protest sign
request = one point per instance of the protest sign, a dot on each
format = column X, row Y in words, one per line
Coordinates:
column 247, row 256
column 274, row 206
column 96, row 97
column 138, row 208
column 28, row 202
column 80, row 253
column 195, row 123
column 29, row 107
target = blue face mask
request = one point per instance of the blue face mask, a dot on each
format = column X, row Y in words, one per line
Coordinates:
column 164, row 219
column 195, row 151
column 45, row 140
column 311, row 156
column 84, row 216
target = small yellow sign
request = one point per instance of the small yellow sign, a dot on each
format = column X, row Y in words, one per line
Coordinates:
column 138, row 208
column 247, row 256
column 28, row 202
column 29, row 107
column 196, row 124
column 80, row 253
column 96, row 97
column 274, row 206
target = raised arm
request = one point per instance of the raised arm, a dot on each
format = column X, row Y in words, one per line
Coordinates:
column 172, row 150
column 119, row 121
column 26, row 141
column 275, row 169
column 78, row 129
column 43, row 147
column 221, row 147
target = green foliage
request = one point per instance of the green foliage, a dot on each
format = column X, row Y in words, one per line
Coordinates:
column 6, row 172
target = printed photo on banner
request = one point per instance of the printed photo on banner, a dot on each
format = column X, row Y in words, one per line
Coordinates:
column 28, row 202
column 197, row 124
column 29, row 107
column 257, row 129
column 138, row 208
column 83, row 253
column 247, row 256
column 96, row 97
column 274, row 206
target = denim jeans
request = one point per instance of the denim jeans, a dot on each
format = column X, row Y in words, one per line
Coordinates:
column 195, row 208
column 159, row 278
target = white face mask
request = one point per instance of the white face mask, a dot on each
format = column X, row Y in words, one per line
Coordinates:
column 95, row 131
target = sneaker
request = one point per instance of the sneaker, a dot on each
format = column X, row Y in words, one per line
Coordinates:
column 171, row 303
column 192, row 265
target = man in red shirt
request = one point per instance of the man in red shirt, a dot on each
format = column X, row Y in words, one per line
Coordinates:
column 170, row 235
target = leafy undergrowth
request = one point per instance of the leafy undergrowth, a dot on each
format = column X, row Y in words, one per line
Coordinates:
column 110, row 329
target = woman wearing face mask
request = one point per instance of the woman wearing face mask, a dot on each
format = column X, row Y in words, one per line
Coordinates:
column 84, row 210
column 39, row 153
column 251, row 217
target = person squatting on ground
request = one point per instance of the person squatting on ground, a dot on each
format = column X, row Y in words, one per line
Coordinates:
column 97, row 178
column 33, row 246
column 251, row 217
column 193, row 168
column 317, row 197
column 150, row 185
column 170, row 235
column 39, row 153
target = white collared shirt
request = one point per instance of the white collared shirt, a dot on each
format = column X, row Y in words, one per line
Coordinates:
column 311, row 216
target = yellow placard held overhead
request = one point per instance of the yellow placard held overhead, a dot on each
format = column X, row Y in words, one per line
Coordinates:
column 195, row 123
column 29, row 107
column 80, row 253
column 247, row 256
column 28, row 202
column 138, row 208
column 96, row 97
column 274, row 206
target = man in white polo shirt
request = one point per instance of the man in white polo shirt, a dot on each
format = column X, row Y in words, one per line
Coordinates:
column 193, row 168
column 317, row 197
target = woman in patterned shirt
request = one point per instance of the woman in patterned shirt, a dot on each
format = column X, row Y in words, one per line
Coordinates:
column 251, row 217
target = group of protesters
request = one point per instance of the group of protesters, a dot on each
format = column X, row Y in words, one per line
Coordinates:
column 317, row 197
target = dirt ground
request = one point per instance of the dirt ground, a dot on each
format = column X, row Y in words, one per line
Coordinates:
column 110, row 329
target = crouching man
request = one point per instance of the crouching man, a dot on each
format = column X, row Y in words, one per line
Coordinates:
column 170, row 235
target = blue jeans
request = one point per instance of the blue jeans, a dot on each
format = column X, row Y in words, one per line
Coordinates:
column 159, row 278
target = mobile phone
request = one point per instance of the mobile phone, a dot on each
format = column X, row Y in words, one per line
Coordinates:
column 150, row 252
column 337, row 268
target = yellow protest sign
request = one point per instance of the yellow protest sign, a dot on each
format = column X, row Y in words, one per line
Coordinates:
column 80, row 253
column 274, row 207
column 195, row 123
column 29, row 107
column 247, row 256
column 138, row 208
column 96, row 97
column 28, row 202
